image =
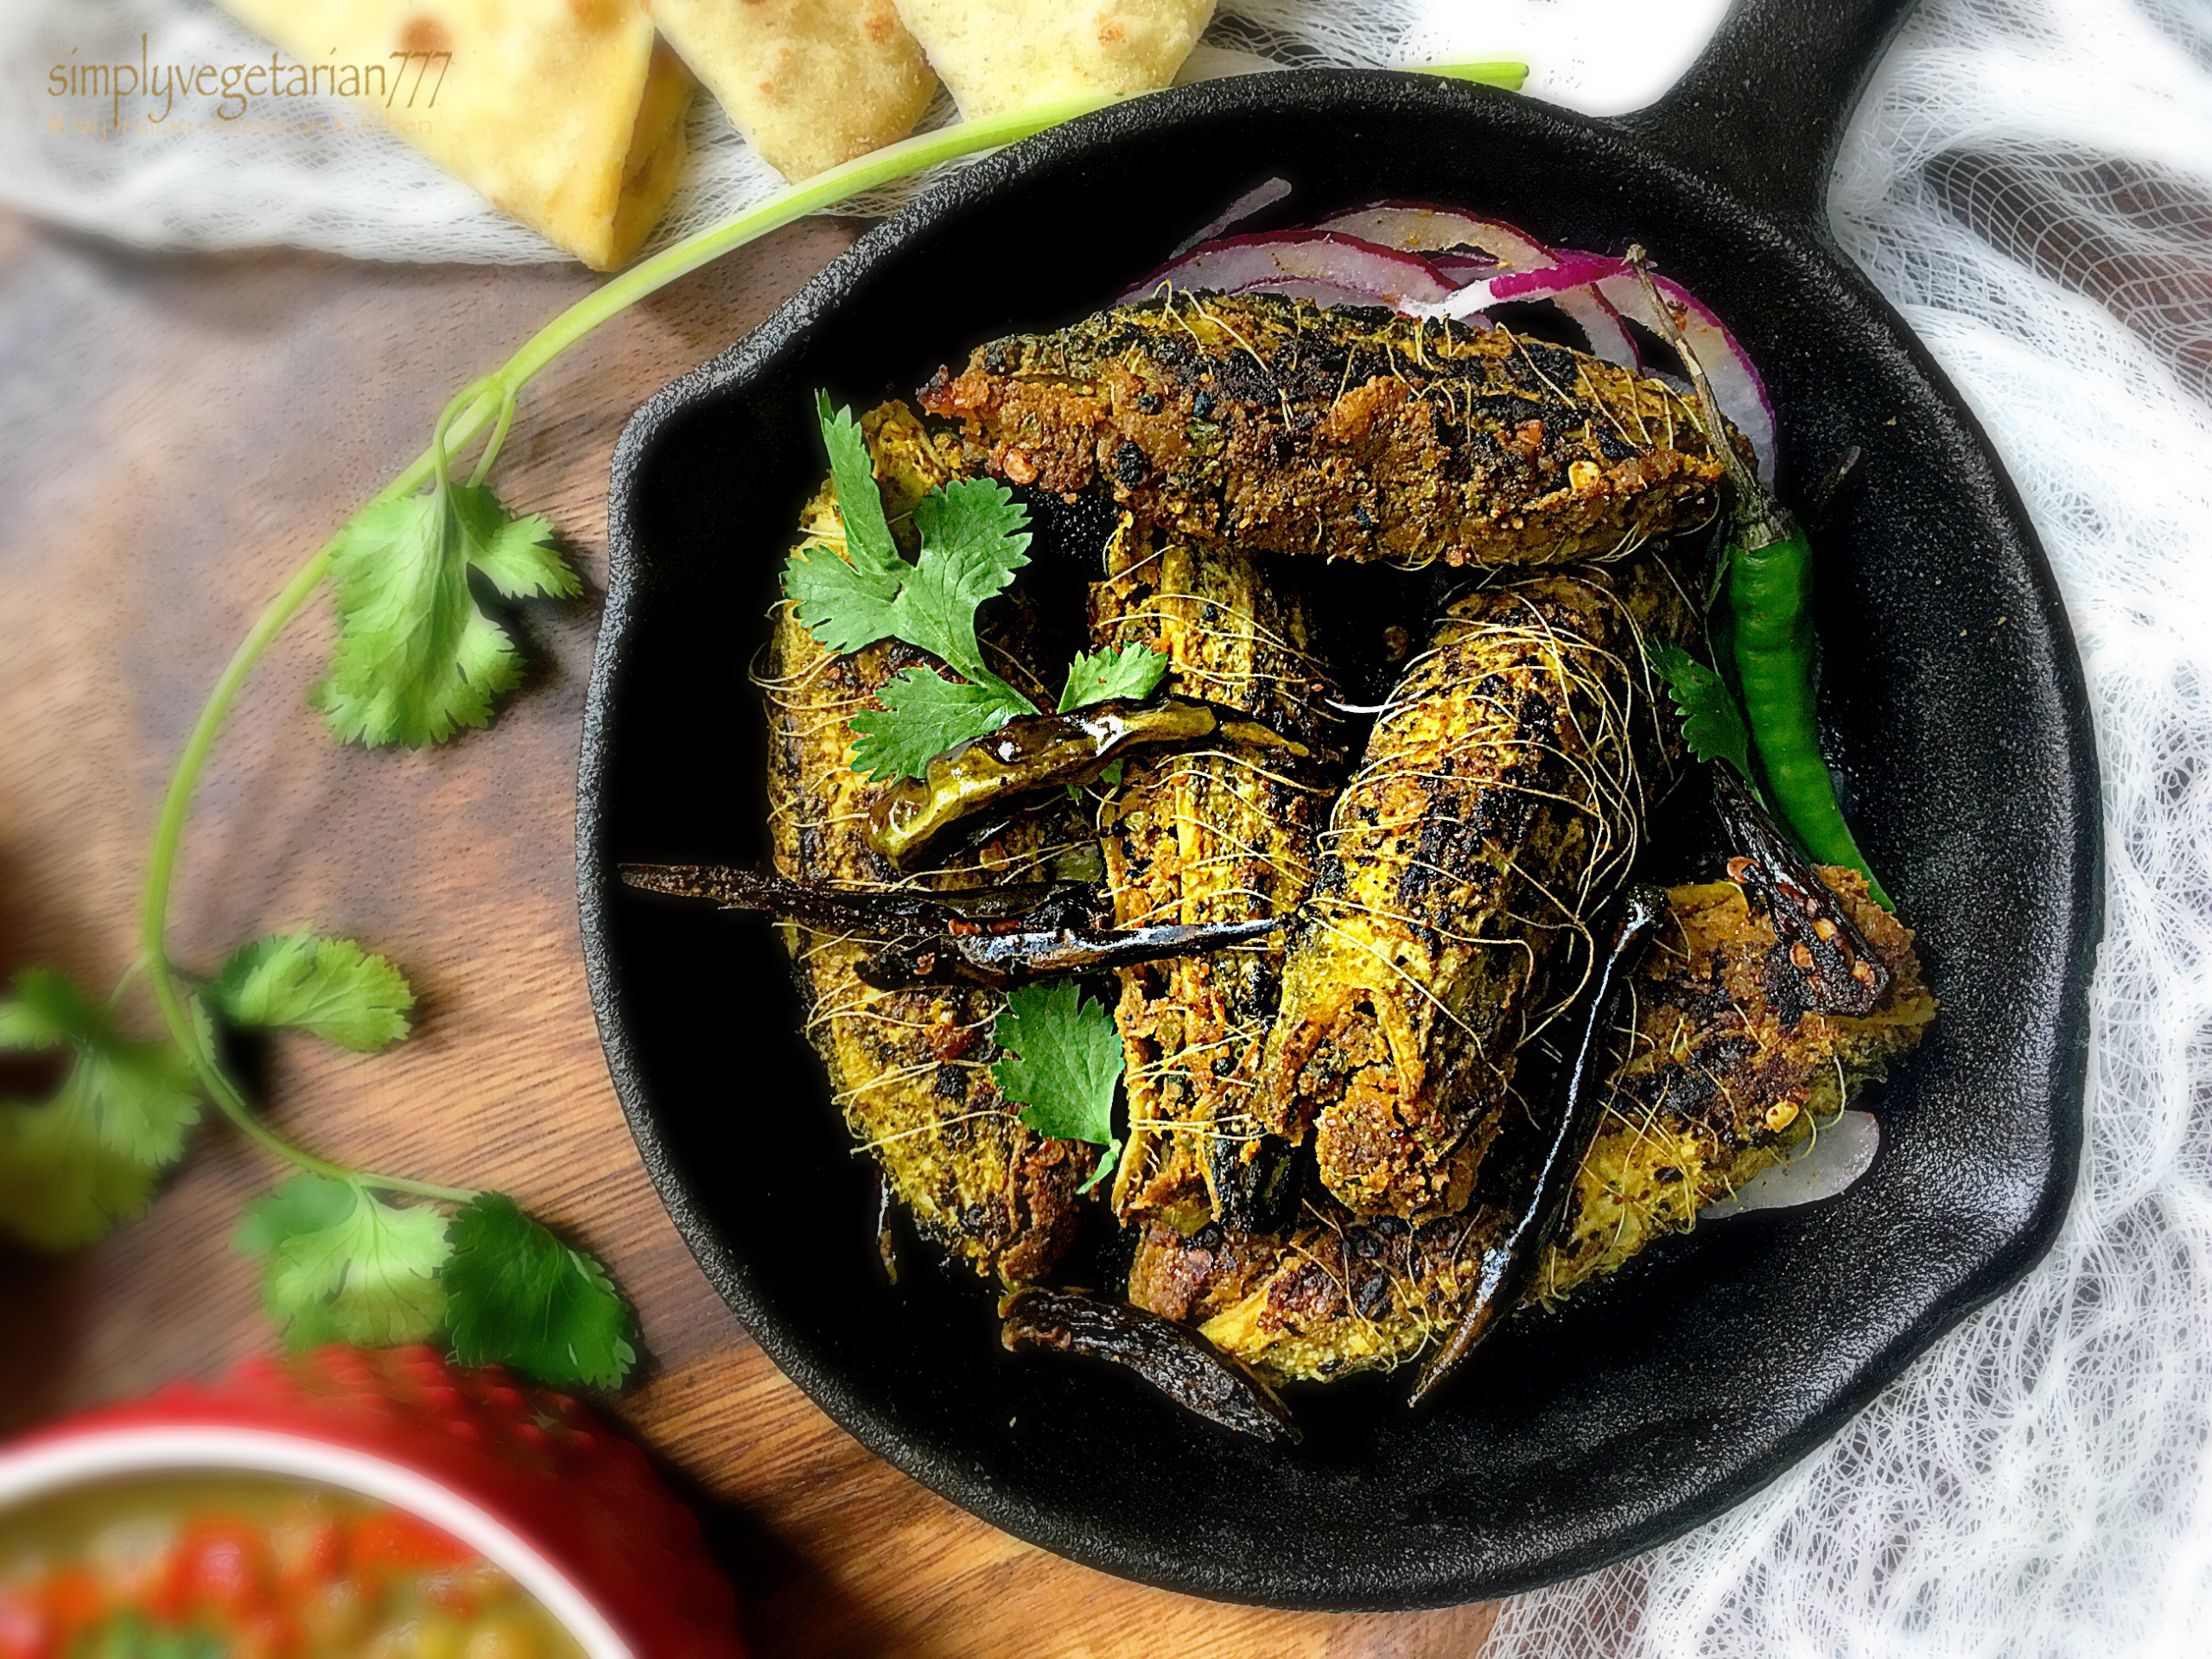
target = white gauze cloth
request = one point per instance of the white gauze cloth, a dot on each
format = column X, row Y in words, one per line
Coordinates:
column 2039, row 1483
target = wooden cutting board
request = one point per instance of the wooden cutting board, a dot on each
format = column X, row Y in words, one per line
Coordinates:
column 177, row 436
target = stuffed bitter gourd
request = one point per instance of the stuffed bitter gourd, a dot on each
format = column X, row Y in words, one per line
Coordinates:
column 1497, row 806
column 1722, row 1073
column 1260, row 423
column 1211, row 834
column 911, row 1069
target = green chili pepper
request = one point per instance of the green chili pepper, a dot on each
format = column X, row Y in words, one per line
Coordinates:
column 1769, row 589
column 1768, row 586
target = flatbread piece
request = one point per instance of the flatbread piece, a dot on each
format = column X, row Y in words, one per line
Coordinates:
column 565, row 113
column 997, row 55
column 810, row 83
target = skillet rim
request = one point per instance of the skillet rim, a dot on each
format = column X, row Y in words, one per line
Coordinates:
column 1312, row 93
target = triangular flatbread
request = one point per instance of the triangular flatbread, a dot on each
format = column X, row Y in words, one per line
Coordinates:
column 810, row 83
column 564, row 113
column 997, row 55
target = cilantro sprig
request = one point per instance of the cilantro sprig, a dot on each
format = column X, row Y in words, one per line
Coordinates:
column 340, row 1262
column 73, row 1166
column 1713, row 723
column 1061, row 1062
column 973, row 537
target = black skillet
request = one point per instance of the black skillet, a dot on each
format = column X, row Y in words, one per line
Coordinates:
column 1953, row 709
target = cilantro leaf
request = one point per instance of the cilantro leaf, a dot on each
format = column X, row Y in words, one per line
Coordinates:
column 1061, row 1064
column 860, row 503
column 923, row 715
column 61, row 1187
column 848, row 606
column 1123, row 671
column 74, row 1167
column 851, row 602
column 416, row 658
column 517, row 1296
column 330, row 987
column 138, row 1098
column 974, row 536
column 516, row 556
column 342, row 1265
column 932, row 603
column 1712, row 726
column 49, row 1010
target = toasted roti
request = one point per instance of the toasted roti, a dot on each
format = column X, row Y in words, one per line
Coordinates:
column 810, row 83
column 565, row 113
column 998, row 56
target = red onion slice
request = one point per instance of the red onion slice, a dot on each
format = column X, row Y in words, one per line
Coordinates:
column 1260, row 195
column 1842, row 1152
column 1420, row 227
column 1558, row 274
column 1601, row 325
column 1460, row 239
column 1510, row 246
column 1585, row 307
column 1463, row 265
column 1736, row 383
column 1318, row 265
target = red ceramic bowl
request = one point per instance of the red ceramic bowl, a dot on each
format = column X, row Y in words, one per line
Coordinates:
column 529, row 1479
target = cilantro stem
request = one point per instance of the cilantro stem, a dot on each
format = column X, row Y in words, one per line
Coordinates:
column 1510, row 76
column 795, row 201
column 137, row 967
column 169, row 829
column 169, row 840
column 492, row 399
column 494, row 444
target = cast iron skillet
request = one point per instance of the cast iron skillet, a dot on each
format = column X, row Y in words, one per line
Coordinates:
column 1953, row 709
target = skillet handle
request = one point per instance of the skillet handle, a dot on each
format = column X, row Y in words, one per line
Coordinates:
column 1763, row 110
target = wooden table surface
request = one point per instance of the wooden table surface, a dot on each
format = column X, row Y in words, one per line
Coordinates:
column 177, row 436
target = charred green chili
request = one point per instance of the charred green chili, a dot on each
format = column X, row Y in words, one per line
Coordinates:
column 1174, row 1358
column 1768, row 585
column 1036, row 755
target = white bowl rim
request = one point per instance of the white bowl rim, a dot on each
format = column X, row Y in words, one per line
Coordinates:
column 71, row 1459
